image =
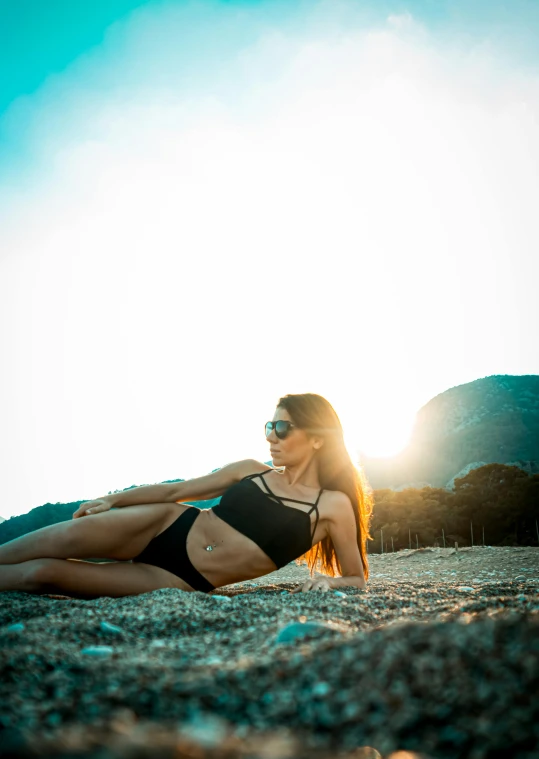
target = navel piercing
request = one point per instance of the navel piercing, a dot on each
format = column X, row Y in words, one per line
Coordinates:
column 210, row 548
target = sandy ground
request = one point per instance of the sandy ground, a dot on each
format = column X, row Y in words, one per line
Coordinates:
column 439, row 657
column 437, row 564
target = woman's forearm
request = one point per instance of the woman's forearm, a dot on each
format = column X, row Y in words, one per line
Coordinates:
column 160, row 493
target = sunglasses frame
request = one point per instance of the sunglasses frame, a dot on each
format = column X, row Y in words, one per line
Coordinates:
column 274, row 429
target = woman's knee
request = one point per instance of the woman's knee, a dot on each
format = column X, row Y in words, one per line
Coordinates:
column 41, row 574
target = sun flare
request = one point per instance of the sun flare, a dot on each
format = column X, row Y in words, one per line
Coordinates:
column 377, row 433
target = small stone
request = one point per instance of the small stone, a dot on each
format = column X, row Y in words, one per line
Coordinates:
column 520, row 578
column 158, row 643
column 207, row 730
column 296, row 630
column 339, row 593
column 321, row 689
column 222, row 598
column 98, row 651
column 15, row 628
column 54, row 719
column 108, row 628
column 466, row 589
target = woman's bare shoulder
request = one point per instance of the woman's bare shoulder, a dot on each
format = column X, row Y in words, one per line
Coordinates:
column 337, row 501
column 253, row 466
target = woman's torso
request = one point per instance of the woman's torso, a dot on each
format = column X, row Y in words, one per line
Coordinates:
column 235, row 557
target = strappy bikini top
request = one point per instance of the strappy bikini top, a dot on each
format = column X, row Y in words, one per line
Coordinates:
column 282, row 532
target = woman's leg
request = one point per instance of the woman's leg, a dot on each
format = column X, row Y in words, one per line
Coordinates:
column 119, row 534
column 84, row 579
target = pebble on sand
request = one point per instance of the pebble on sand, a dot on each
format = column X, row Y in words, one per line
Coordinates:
column 98, row 650
column 292, row 632
column 15, row 628
column 108, row 628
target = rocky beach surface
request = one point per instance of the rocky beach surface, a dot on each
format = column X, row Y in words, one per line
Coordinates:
column 439, row 657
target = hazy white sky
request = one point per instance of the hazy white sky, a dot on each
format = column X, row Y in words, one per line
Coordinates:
column 190, row 230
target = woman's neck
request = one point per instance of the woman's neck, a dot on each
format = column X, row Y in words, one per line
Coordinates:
column 304, row 474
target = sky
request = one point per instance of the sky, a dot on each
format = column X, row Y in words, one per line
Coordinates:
column 207, row 205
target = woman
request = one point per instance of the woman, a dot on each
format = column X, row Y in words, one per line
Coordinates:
column 314, row 504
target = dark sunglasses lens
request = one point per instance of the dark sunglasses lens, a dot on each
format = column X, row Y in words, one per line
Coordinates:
column 269, row 427
column 281, row 429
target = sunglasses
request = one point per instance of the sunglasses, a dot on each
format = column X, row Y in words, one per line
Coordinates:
column 281, row 427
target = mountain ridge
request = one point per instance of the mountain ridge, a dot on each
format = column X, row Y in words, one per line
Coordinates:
column 493, row 419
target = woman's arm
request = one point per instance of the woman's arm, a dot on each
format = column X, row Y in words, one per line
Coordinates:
column 197, row 489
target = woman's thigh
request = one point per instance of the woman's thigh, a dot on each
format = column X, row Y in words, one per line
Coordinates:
column 121, row 533
column 86, row 579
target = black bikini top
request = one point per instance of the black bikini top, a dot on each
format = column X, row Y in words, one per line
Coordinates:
column 282, row 532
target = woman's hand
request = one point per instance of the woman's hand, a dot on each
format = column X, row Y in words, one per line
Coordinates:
column 314, row 583
column 92, row 507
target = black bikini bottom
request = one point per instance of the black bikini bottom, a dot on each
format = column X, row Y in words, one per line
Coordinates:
column 168, row 551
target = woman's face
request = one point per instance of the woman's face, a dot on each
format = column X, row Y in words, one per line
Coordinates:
column 296, row 446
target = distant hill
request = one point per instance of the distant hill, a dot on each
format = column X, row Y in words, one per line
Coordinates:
column 491, row 420
column 40, row 516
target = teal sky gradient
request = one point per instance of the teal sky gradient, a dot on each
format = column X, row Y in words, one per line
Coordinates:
column 40, row 42
column 39, row 38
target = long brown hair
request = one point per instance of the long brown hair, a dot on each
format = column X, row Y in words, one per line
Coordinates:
column 336, row 471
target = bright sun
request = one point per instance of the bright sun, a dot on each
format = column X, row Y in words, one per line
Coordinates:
column 377, row 433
